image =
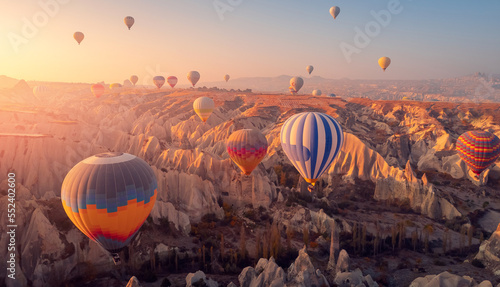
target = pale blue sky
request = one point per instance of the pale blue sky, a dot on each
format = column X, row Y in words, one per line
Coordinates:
column 427, row 39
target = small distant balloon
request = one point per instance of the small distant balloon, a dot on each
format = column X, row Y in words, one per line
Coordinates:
column 115, row 86
column 203, row 107
column 316, row 92
column 334, row 11
column 247, row 148
column 226, row 78
column 134, row 79
column 296, row 83
column 384, row 62
column 159, row 81
column 332, row 96
column 309, row 69
column 78, row 37
column 129, row 21
column 193, row 77
column 97, row 90
column 172, row 81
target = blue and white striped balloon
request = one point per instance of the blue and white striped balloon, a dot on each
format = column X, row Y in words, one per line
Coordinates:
column 311, row 142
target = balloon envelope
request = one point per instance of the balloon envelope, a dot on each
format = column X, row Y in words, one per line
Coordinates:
column 316, row 92
column 384, row 62
column 172, row 81
column 334, row 11
column 78, row 37
column 115, row 86
column 311, row 141
column 108, row 196
column 226, row 78
column 203, row 107
column 309, row 69
column 97, row 90
column 478, row 149
column 332, row 96
column 129, row 21
column 134, row 79
column 247, row 148
column 296, row 83
column 193, row 77
column 159, row 81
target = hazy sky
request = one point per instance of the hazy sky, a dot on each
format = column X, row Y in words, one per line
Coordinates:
column 244, row 38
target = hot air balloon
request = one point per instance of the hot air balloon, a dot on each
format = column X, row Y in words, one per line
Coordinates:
column 172, row 81
column 193, row 77
column 129, row 21
column 334, row 11
column 296, row 83
column 203, row 107
column 115, row 86
column 159, row 81
column 78, row 37
column 309, row 69
column 134, row 79
column 384, row 62
column 226, row 78
column 247, row 148
column 40, row 91
column 478, row 149
column 97, row 90
column 332, row 96
column 311, row 141
column 316, row 92
column 108, row 197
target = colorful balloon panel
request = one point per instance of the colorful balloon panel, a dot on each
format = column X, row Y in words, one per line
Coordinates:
column 203, row 107
column 311, row 142
column 108, row 197
column 247, row 148
column 172, row 81
column 478, row 149
column 97, row 90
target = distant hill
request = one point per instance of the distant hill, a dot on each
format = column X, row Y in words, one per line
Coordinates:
column 7, row 82
column 478, row 87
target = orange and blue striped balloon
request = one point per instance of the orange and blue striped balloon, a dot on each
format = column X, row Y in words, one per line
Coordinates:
column 109, row 196
column 478, row 149
column 247, row 148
